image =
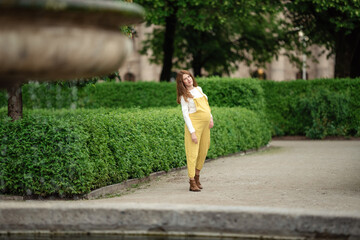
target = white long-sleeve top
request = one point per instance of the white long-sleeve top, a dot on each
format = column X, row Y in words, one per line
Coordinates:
column 190, row 107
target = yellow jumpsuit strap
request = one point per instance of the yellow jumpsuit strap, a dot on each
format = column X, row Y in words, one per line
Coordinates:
column 200, row 92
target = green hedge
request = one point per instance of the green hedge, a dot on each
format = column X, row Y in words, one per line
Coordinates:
column 71, row 152
column 128, row 95
column 233, row 92
column 222, row 92
column 316, row 108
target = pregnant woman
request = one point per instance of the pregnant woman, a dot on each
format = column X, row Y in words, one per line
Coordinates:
column 198, row 121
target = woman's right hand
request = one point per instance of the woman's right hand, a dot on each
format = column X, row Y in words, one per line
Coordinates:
column 194, row 138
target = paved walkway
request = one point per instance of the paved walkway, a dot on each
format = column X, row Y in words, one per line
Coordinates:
column 319, row 175
column 293, row 188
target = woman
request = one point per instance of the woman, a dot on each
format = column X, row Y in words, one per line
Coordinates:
column 198, row 121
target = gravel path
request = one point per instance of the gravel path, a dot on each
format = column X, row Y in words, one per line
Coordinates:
column 312, row 175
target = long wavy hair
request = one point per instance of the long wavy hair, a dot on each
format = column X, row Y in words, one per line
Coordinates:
column 180, row 86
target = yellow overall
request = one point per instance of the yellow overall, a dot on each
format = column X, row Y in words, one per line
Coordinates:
column 196, row 153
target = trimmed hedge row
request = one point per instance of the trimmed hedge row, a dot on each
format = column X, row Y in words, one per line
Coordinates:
column 229, row 93
column 316, row 108
column 71, row 152
column 233, row 92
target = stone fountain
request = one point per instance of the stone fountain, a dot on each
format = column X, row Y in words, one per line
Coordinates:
column 59, row 40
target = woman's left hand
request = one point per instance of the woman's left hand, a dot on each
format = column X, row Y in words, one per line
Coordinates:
column 211, row 125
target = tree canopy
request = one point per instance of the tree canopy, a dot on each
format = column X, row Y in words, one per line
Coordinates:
column 216, row 35
column 334, row 24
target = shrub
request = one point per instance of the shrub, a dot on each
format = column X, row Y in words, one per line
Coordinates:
column 128, row 95
column 327, row 113
column 71, row 152
column 222, row 92
column 237, row 129
column 290, row 106
column 232, row 92
column 43, row 154
column 315, row 108
column 45, row 95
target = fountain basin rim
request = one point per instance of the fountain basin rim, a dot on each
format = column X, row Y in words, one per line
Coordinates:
column 65, row 5
column 123, row 9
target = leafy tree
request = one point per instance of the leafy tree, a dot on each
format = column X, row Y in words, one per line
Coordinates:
column 255, row 39
column 212, row 34
column 334, row 24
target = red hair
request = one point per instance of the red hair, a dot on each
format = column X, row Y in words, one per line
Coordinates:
column 180, row 86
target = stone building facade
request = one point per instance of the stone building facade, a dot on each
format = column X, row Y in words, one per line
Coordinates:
column 138, row 68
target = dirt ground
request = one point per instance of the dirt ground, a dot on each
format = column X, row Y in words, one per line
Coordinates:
column 315, row 175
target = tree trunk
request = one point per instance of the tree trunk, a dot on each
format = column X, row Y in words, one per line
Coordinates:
column 168, row 47
column 15, row 101
column 196, row 64
column 355, row 63
column 345, row 46
column 197, row 61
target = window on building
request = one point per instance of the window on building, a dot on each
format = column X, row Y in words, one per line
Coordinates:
column 259, row 73
column 129, row 77
column 299, row 75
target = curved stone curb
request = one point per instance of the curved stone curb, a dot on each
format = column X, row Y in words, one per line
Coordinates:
column 11, row 198
column 116, row 188
column 158, row 219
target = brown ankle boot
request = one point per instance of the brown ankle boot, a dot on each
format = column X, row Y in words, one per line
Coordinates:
column 193, row 186
column 197, row 180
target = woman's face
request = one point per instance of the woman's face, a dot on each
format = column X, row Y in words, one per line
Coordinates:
column 188, row 81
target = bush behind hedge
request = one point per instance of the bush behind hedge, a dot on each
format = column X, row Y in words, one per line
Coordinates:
column 71, row 152
column 316, row 108
column 234, row 92
column 222, row 92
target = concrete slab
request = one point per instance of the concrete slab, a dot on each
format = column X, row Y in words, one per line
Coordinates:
column 295, row 189
column 174, row 219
